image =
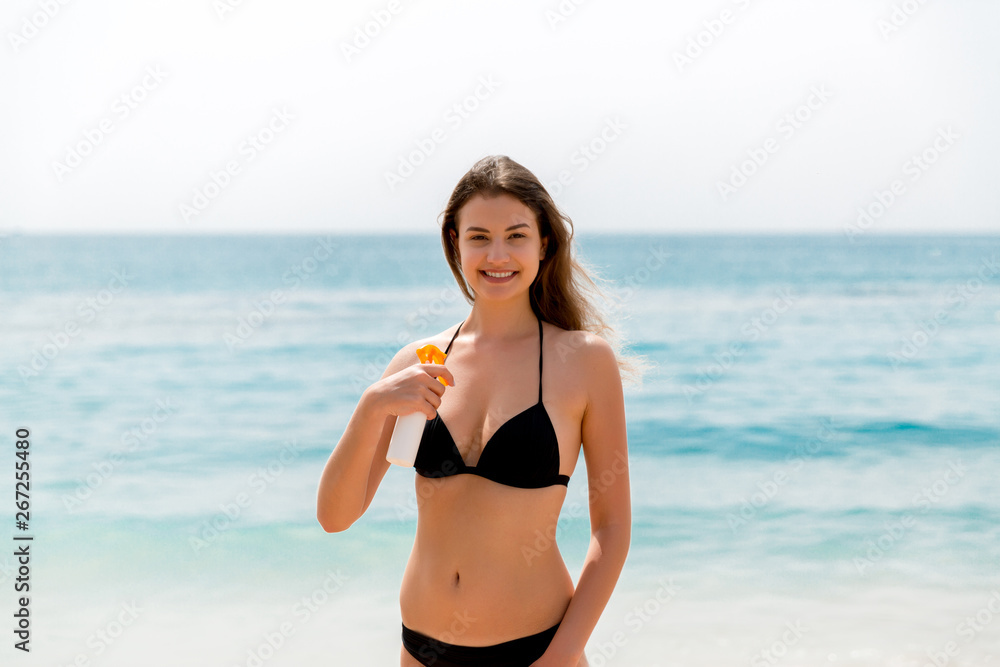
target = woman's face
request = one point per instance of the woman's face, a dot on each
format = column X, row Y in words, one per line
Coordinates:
column 499, row 236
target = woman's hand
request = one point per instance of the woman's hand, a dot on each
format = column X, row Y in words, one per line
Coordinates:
column 413, row 389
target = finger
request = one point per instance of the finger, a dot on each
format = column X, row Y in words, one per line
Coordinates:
column 430, row 383
column 439, row 370
column 435, row 397
column 434, row 401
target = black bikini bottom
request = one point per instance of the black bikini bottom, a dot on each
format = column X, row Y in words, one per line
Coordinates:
column 515, row 653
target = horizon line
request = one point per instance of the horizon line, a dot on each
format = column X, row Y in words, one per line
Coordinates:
column 4, row 234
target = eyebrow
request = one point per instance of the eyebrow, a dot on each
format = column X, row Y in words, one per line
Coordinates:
column 480, row 229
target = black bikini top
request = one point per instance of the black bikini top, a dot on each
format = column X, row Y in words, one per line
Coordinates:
column 524, row 452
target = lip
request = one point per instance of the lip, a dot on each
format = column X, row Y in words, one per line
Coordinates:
column 498, row 281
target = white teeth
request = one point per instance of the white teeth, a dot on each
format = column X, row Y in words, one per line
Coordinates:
column 492, row 274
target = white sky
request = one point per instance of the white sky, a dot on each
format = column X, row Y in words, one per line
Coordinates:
column 679, row 131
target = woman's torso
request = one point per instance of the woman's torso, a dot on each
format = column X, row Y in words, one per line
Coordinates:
column 485, row 567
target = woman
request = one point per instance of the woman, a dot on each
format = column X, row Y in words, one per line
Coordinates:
column 485, row 583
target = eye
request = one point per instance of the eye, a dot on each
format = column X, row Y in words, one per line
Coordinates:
column 519, row 234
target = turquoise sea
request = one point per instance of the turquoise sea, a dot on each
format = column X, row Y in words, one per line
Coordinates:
column 814, row 453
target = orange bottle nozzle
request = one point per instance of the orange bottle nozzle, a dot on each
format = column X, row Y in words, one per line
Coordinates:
column 430, row 354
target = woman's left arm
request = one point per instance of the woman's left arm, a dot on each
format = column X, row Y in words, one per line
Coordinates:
column 605, row 449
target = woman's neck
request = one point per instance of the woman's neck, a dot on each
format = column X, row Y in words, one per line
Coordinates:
column 500, row 322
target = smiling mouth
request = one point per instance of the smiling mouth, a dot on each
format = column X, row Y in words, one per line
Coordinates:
column 498, row 276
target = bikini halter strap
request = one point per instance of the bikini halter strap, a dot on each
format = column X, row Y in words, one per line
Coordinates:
column 455, row 335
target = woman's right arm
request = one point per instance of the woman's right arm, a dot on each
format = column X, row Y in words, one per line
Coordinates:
column 357, row 465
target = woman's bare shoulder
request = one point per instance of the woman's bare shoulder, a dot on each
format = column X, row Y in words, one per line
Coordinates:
column 407, row 355
column 577, row 348
column 439, row 340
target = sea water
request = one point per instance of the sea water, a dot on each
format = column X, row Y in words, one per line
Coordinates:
column 814, row 449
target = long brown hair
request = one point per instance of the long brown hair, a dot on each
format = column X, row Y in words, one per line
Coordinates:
column 564, row 293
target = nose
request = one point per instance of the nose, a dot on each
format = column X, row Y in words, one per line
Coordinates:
column 498, row 252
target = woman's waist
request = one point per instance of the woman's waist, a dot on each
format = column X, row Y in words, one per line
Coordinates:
column 482, row 603
column 484, row 565
column 486, row 553
column 504, row 549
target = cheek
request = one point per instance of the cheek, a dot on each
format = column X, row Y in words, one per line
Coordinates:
column 468, row 262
